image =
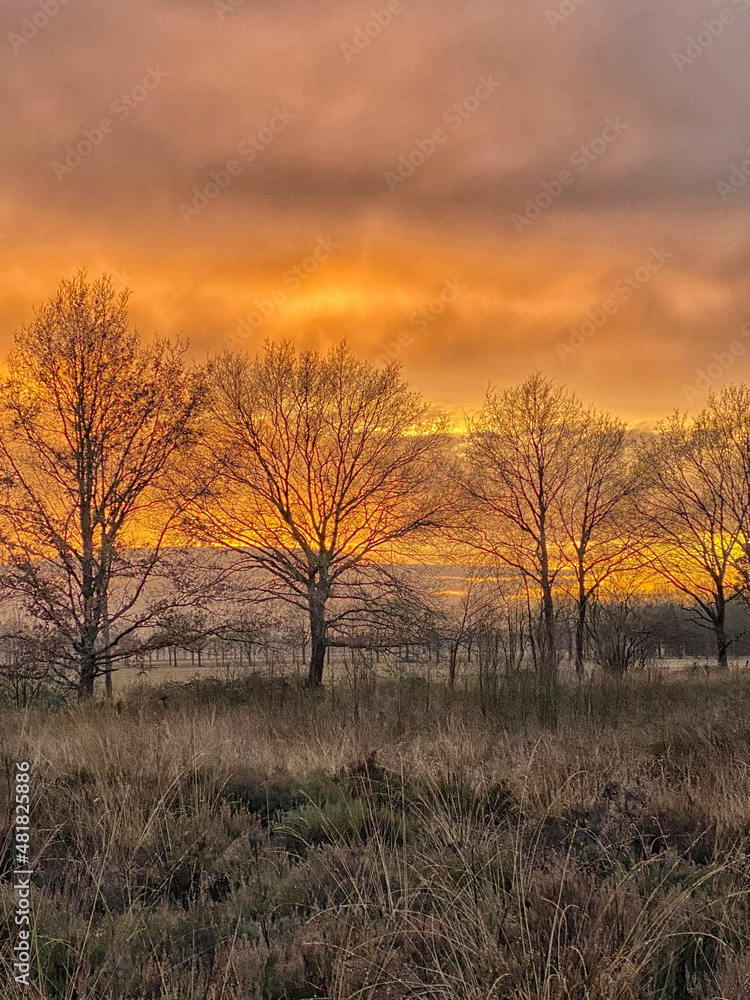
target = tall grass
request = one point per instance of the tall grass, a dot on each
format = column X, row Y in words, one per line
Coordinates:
column 255, row 840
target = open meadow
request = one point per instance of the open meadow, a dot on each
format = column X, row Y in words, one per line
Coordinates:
column 233, row 839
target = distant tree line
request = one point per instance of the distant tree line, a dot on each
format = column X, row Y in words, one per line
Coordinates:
column 149, row 503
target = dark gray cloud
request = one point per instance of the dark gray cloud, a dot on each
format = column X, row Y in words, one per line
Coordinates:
column 357, row 107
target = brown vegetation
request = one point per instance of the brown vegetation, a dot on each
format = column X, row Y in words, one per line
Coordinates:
column 233, row 841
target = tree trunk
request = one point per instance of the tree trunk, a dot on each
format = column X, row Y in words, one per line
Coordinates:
column 548, row 657
column 87, row 676
column 319, row 641
column 580, row 634
column 720, row 628
column 452, row 665
column 581, row 612
column 107, row 656
column 548, row 666
column 89, row 626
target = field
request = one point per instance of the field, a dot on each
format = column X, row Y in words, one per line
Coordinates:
column 344, row 666
column 232, row 839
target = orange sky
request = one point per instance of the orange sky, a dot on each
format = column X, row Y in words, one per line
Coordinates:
column 114, row 113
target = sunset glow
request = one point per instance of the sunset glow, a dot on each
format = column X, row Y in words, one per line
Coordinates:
column 516, row 151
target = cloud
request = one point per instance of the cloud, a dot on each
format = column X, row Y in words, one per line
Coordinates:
column 227, row 73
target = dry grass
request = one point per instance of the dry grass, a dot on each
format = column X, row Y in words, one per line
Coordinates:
column 228, row 842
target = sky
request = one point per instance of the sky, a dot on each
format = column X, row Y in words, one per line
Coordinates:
column 477, row 189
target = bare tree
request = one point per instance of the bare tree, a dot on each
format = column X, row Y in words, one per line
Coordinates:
column 695, row 514
column 93, row 424
column 461, row 614
column 620, row 628
column 321, row 469
column 596, row 514
column 521, row 451
column 500, row 632
column 728, row 413
column 27, row 661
